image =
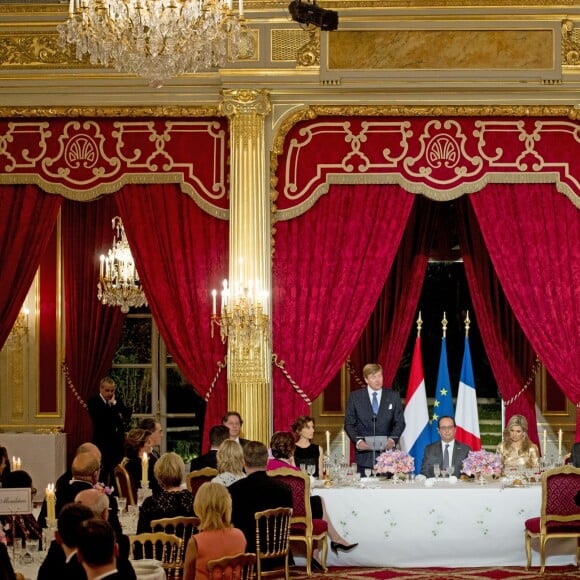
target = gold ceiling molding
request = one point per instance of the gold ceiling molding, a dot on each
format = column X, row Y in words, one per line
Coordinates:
column 570, row 43
column 172, row 111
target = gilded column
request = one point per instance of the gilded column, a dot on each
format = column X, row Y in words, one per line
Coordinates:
column 249, row 366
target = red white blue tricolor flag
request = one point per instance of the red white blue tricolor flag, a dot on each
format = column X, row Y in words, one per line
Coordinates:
column 416, row 435
column 466, row 416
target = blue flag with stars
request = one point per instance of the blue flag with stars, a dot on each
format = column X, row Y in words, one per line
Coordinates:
column 443, row 401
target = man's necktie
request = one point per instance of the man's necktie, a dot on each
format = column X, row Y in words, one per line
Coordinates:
column 446, row 457
column 375, row 404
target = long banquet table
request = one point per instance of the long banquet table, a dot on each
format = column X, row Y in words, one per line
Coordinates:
column 447, row 525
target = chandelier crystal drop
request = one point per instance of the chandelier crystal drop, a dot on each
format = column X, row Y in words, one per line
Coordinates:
column 119, row 283
column 156, row 39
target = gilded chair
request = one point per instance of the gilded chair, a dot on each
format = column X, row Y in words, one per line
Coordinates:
column 167, row 548
column 272, row 542
column 195, row 479
column 559, row 515
column 181, row 526
column 238, row 567
column 304, row 529
column 124, row 484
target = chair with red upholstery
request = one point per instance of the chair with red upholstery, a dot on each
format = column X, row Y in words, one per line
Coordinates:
column 559, row 516
column 303, row 527
column 195, row 479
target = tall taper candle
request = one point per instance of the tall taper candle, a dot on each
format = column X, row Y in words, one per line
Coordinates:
column 328, row 443
column 145, row 468
column 50, row 502
column 560, row 442
column 545, row 443
column 343, row 446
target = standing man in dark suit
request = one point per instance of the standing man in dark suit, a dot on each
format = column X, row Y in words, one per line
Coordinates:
column 374, row 411
column 446, row 453
column 233, row 421
column 109, row 416
column 256, row 492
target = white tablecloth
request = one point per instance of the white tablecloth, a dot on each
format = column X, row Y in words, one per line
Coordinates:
column 449, row 525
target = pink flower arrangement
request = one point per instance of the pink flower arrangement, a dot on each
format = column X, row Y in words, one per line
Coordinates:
column 395, row 462
column 482, row 463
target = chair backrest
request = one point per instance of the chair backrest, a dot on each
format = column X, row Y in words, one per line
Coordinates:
column 272, row 534
column 124, row 484
column 238, row 567
column 167, row 548
column 181, row 526
column 195, row 479
column 299, row 483
column 559, row 489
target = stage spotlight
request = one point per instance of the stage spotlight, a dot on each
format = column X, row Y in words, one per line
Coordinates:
column 311, row 13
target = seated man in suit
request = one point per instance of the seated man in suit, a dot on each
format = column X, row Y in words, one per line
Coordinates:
column 97, row 550
column 256, row 492
column 61, row 561
column 447, row 453
column 373, row 412
column 217, row 435
column 98, row 502
column 233, row 421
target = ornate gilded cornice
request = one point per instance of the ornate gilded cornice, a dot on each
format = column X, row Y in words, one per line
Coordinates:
column 113, row 112
column 570, row 43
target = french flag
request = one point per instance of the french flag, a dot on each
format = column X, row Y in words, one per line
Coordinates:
column 416, row 435
column 466, row 416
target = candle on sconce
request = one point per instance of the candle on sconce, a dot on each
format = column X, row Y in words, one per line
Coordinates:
column 328, row 443
column 343, row 445
column 50, row 502
column 144, row 468
column 213, row 301
column 560, row 434
column 545, row 443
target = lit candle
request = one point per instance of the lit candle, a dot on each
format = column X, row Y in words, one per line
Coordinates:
column 102, row 269
column 343, row 445
column 560, row 442
column 16, row 463
column 145, row 468
column 213, row 301
column 50, row 502
column 328, row 443
column 545, row 445
column 241, row 7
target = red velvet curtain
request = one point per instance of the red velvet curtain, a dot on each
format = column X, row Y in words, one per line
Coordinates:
column 93, row 331
column 329, row 268
column 532, row 233
column 181, row 253
column 385, row 336
column 508, row 350
column 27, row 219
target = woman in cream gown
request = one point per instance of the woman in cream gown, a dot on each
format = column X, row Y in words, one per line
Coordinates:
column 516, row 450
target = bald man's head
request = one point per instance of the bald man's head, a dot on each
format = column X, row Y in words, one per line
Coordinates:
column 86, row 466
column 96, row 500
column 89, row 447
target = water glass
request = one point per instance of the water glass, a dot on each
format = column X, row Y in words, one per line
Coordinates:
column 122, row 503
column 437, row 470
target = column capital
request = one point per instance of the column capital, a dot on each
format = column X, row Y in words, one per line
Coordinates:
column 244, row 102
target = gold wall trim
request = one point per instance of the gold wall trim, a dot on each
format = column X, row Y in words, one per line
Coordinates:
column 113, row 112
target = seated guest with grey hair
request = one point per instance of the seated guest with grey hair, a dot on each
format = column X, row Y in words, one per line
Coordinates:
column 173, row 500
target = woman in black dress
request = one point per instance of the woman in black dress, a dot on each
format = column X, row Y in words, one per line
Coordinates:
column 306, row 453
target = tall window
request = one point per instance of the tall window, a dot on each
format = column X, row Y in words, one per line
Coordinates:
column 151, row 383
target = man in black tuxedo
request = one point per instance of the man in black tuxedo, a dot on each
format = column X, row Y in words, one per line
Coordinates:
column 233, row 421
column 97, row 550
column 256, row 492
column 374, row 411
column 109, row 416
column 217, row 435
column 61, row 561
column 434, row 454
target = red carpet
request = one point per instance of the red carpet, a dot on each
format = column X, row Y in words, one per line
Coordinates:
column 552, row 572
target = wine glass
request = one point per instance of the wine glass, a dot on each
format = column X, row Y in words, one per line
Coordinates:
column 437, row 470
column 303, row 468
column 368, row 472
column 122, row 504
column 311, row 469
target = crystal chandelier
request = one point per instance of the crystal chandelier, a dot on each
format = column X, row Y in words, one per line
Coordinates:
column 156, row 39
column 119, row 283
column 243, row 319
